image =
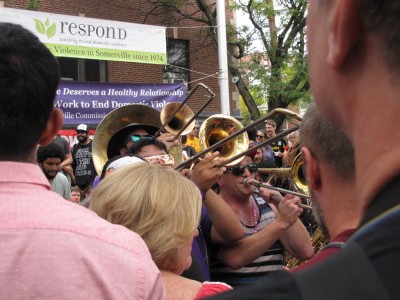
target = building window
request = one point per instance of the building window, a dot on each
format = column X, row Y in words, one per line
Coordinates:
column 77, row 69
column 177, row 70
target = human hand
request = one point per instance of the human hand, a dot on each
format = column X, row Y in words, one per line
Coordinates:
column 269, row 195
column 289, row 211
column 187, row 173
column 168, row 140
column 207, row 171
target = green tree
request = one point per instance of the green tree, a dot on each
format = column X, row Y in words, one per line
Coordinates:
column 280, row 30
column 280, row 35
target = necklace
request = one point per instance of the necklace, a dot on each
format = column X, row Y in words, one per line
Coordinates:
column 254, row 214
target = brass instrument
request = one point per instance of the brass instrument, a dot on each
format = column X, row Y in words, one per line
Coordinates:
column 219, row 143
column 295, row 173
column 318, row 240
column 260, row 184
column 178, row 118
column 117, row 120
column 217, row 128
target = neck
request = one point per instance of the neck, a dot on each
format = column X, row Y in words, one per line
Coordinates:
column 377, row 161
column 242, row 206
column 338, row 202
column 369, row 115
column 349, row 218
column 85, row 142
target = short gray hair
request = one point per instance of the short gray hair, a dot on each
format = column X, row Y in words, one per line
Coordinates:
column 327, row 143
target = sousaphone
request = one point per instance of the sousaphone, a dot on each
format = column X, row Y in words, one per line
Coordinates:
column 115, row 121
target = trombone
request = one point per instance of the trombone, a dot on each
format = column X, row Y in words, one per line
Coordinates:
column 295, row 173
column 260, row 184
column 178, row 118
column 219, row 143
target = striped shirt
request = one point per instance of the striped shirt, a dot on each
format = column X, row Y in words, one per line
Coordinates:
column 271, row 260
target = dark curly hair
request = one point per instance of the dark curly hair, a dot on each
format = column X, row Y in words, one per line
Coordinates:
column 50, row 151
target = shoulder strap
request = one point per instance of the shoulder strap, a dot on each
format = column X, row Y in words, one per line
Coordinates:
column 334, row 245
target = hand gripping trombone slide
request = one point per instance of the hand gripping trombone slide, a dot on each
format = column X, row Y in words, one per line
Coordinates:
column 260, row 184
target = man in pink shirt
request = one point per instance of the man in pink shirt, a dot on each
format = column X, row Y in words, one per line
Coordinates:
column 51, row 248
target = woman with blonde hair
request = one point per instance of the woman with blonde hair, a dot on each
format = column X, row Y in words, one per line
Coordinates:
column 164, row 208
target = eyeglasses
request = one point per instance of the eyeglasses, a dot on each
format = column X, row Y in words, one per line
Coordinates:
column 260, row 136
column 196, row 128
column 165, row 160
column 136, row 137
column 239, row 170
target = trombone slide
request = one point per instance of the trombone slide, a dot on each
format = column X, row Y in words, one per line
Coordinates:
column 260, row 184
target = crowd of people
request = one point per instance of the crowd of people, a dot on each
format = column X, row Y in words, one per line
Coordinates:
column 147, row 231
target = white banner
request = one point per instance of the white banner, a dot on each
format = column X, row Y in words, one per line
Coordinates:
column 70, row 36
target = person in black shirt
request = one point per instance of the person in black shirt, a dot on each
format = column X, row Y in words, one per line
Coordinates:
column 278, row 146
column 82, row 164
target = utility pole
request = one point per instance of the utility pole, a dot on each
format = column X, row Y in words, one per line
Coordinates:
column 223, row 58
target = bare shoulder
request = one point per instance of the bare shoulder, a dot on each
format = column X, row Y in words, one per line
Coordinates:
column 180, row 288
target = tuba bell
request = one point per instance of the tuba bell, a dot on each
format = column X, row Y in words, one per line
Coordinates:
column 104, row 143
column 218, row 127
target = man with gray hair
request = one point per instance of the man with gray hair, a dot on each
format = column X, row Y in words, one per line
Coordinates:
column 329, row 164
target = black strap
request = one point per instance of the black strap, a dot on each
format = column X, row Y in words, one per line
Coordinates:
column 346, row 275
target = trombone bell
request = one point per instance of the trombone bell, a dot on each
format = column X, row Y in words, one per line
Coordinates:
column 218, row 127
column 295, row 173
column 179, row 120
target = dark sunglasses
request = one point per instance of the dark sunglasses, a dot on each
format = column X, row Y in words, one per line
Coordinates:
column 239, row 170
column 260, row 136
column 136, row 137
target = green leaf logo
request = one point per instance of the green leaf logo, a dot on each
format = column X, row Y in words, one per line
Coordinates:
column 51, row 31
column 40, row 26
column 46, row 28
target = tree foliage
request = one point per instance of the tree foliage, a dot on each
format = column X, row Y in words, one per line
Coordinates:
column 275, row 33
column 280, row 29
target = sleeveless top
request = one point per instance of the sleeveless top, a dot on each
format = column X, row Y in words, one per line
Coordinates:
column 271, row 260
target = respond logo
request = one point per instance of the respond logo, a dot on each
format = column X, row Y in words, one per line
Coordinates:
column 46, row 28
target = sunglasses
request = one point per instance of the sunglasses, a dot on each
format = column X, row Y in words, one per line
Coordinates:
column 136, row 137
column 260, row 136
column 239, row 170
column 165, row 160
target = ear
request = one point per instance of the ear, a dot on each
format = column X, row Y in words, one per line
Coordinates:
column 312, row 169
column 53, row 126
column 344, row 31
